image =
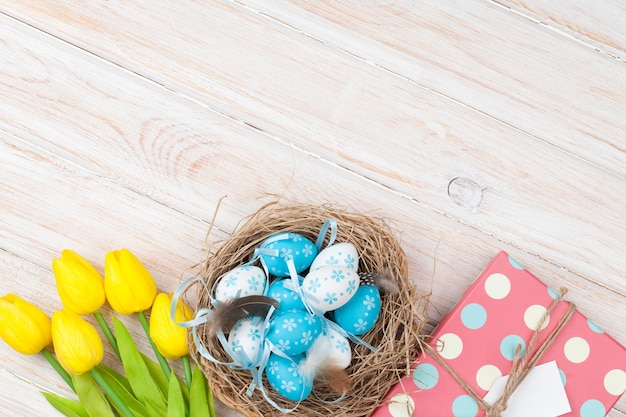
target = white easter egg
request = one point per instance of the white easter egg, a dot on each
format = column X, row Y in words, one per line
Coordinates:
column 330, row 348
column 287, row 246
column 359, row 315
column 329, row 287
column 243, row 280
column 340, row 254
column 245, row 341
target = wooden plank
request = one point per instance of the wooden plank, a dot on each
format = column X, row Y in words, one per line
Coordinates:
column 600, row 24
column 445, row 156
column 477, row 53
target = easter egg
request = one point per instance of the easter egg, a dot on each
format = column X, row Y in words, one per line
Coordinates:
column 330, row 348
column 242, row 280
column 245, row 341
column 294, row 331
column 284, row 376
column 340, row 254
column 358, row 316
column 329, row 287
column 287, row 246
column 282, row 291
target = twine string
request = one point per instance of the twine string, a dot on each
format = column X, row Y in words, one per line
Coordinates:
column 523, row 363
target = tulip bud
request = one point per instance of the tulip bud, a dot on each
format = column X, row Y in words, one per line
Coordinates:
column 77, row 345
column 169, row 338
column 23, row 326
column 129, row 287
column 80, row 286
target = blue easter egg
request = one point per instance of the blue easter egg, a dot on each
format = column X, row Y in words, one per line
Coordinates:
column 294, row 331
column 281, row 290
column 288, row 246
column 358, row 316
column 284, row 376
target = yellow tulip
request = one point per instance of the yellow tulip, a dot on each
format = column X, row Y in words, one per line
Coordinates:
column 23, row 326
column 129, row 287
column 169, row 338
column 77, row 345
column 79, row 284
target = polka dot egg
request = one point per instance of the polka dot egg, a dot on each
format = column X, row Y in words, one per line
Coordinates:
column 287, row 246
column 240, row 281
column 359, row 315
column 284, row 376
column 294, row 331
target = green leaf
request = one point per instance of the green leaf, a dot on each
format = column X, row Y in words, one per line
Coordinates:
column 212, row 412
column 157, row 375
column 121, row 379
column 176, row 402
column 198, row 397
column 137, row 372
column 69, row 408
column 121, row 387
column 91, row 397
column 155, row 412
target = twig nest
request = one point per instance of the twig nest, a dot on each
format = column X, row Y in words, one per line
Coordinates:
column 371, row 249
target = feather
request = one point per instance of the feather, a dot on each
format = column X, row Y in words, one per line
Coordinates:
column 326, row 373
column 382, row 280
column 227, row 314
column 334, row 377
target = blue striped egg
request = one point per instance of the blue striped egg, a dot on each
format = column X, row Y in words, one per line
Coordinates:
column 293, row 331
column 287, row 246
column 284, row 376
column 359, row 315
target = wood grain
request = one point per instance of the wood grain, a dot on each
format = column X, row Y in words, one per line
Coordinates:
column 123, row 123
column 485, row 57
column 601, row 25
column 521, row 202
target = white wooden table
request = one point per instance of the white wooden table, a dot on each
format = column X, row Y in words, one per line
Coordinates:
column 473, row 125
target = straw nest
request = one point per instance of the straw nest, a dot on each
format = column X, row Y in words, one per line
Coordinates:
column 395, row 335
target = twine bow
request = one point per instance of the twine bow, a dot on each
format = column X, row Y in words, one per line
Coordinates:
column 523, row 363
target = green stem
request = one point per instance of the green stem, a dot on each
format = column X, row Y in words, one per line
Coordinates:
column 57, row 367
column 187, row 369
column 111, row 393
column 162, row 361
column 107, row 332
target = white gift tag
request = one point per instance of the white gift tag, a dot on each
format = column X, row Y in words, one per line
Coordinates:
column 541, row 394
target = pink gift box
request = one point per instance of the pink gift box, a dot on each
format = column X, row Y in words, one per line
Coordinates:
column 477, row 339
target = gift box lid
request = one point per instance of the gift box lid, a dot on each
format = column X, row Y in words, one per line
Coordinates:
column 478, row 338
